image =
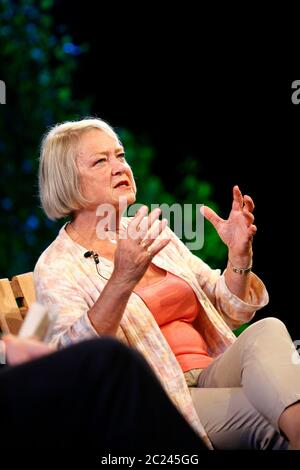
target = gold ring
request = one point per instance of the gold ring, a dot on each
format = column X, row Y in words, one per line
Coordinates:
column 143, row 244
column 149, row 251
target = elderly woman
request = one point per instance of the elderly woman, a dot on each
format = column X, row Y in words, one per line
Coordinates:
column 134, row 279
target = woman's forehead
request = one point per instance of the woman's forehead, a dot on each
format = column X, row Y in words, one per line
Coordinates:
column 97, row 141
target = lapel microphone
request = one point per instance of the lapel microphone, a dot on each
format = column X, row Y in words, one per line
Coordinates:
column 95, row 256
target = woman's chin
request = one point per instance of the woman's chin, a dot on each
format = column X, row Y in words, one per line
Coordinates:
column 124, row 199
column 118, row 201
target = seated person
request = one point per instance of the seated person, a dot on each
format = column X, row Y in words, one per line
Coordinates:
column 134, row 279
column 98, row 395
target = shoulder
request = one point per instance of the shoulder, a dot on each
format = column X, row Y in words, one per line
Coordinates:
column 57, row 255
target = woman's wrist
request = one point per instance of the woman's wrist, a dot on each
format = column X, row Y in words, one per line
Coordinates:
column 240, row 262
column 122, row 284
column 238, row 269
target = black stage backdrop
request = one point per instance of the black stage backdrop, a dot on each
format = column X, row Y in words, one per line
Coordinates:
column 214, row 104
column 166, row 78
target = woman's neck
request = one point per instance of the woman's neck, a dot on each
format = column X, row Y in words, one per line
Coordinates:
column 91, row 228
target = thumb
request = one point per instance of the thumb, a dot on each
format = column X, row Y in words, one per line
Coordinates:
column 211, row 215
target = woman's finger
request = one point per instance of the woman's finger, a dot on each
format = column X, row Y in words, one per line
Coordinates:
column 133, row 226
column 156, row 229
column 148, row 222
column 249, row 204
column 248, row 216
column 211, row 215
column 237, row 203
column 157, row 246
column 153, row 216
column 253, row 229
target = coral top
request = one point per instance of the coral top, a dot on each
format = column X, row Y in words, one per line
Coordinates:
column 175, row 307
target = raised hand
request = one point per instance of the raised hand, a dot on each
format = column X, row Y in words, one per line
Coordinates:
column 238, row 230
column 138, row 244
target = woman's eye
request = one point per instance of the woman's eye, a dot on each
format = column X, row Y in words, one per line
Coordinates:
column 100, row 161
column 121, row 156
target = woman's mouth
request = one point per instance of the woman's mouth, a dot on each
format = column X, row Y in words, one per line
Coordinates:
column 123, row 184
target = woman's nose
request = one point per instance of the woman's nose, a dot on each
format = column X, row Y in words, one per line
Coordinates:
column 117, row 167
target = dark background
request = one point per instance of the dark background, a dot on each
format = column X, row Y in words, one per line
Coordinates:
column 241, row 130
column 195, row 98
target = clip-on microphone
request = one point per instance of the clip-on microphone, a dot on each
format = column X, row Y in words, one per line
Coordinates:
column 95, row 256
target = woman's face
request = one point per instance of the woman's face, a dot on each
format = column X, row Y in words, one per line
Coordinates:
column 102, row 169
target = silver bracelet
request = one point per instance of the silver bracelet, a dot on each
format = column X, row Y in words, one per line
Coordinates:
column 240, row 270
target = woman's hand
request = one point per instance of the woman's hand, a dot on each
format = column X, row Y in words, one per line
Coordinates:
column 238, row 230
column 138, row 244
column 19, row 350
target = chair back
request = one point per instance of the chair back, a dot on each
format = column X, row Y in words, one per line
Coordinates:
column 16, row 296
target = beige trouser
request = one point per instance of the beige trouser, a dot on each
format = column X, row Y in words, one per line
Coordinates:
column 240, row 396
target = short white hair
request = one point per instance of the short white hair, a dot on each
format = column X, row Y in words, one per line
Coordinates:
column 59, row 184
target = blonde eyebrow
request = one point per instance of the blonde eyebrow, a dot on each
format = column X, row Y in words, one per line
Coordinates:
column 106, row 153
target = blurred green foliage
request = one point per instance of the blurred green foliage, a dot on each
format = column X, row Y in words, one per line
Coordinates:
column 39, row 60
